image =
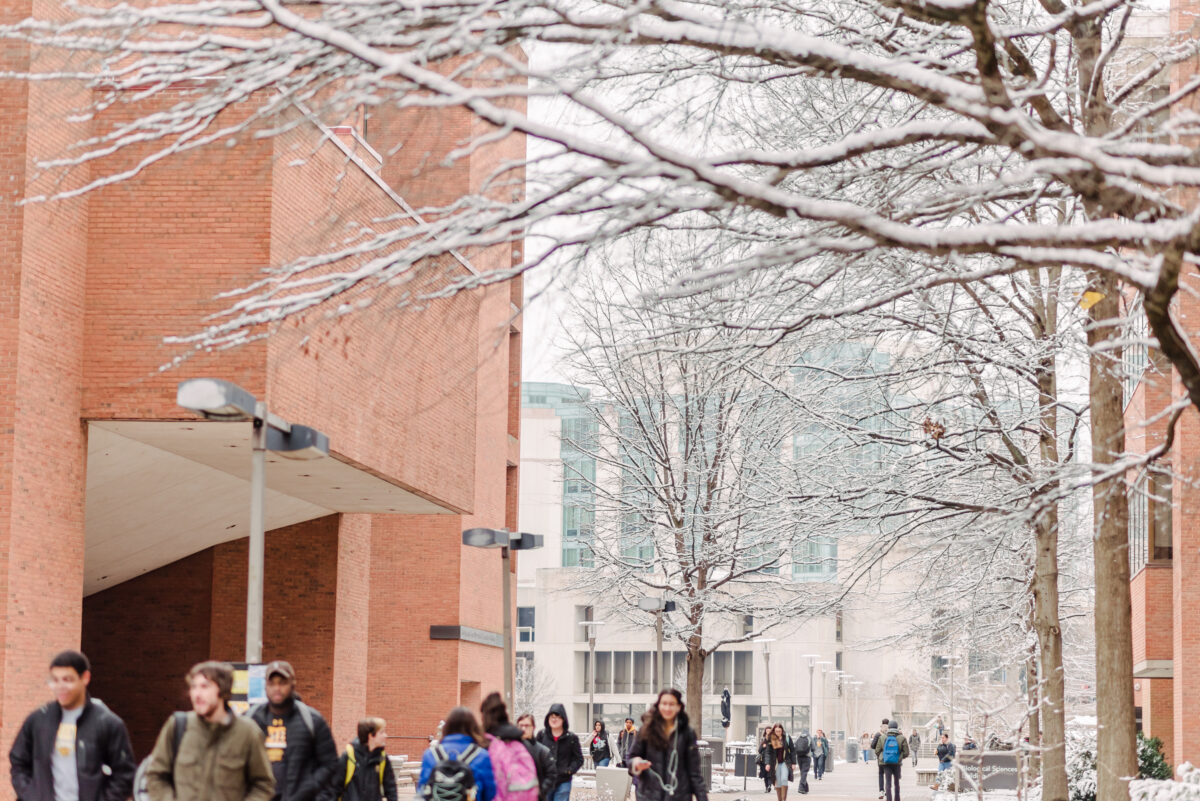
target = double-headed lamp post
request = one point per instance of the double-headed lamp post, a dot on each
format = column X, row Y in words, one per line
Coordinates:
column 506, row 541
column 824, row 665
column 658, row 606
column 812, row 666
column 591, row 635
column 215, row 399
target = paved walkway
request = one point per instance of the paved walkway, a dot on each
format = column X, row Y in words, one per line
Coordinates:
column 847, row 782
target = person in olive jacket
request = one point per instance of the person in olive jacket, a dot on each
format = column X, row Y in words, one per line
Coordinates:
column 564, row 746
column 665, row 756
column 72, row 747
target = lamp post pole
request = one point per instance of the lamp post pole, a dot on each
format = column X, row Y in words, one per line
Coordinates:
column 591, row 630
column 658, row 654
column 258, row 536
column 506, row 597
column 812, row 666
column 766, row 644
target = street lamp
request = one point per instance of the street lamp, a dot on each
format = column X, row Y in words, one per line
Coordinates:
column 854, row 685
column 812, row 666
column 658, row 606
column 766, row 644
column 215, row 399
column 950, row 663
column 591, row 634
column 506, row 541
column 824, row 665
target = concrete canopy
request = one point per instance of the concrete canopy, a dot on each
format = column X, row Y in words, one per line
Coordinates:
column 158, row 491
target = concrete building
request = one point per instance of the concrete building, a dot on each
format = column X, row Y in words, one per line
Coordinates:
column 125, row 516
column 553, row 647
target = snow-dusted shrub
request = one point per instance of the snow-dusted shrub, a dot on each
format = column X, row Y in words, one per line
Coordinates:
column 1186, row 789
column 1081, row 762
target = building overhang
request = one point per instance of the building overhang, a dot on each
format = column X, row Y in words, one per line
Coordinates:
column 1154, row 669
column 158, row 491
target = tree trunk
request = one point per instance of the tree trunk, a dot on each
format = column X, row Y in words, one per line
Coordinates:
column 694, row 697
column 1035, row 727
column 1116, row 750
column 1050, row 676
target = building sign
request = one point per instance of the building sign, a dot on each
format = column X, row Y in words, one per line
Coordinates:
column 990, row 770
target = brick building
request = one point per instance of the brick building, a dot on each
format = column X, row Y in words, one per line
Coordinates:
column 123, row 517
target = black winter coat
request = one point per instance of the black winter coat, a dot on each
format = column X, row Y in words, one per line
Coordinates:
column 543, row 758
column 598, row 746
column 310, row 761
column 101, row 742
column 568, row 756
column 364, row 784
column 688, row 780
column 624, row 743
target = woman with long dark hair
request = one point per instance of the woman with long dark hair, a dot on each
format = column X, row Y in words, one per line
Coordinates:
column 462, row 740
column 665, row 756
column 781, row 759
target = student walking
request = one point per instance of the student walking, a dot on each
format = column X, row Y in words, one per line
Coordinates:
column 210, row 753
column 802, row 748
column 564, row 746
column 665, row 756
column 945, row 755
column 462, row 744
column 513, row 765
column 598, row 748
column 304, row 758
column 763, row 745
column 781, row 760
column 542, row 758
column 891, row 749
column 883, row 727
column 625, row 742
column 820, row 752
column 364, row 772
column 63, row 748
column 914, row 744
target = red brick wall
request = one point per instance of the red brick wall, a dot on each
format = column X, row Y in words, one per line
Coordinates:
column 139, row 659
column 1152, row 617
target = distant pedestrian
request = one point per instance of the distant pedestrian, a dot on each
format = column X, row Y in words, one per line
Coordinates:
column 864, row 744
column 598, row 747
column 941, row 727
column 564, row 745
column 513, row 765
column 303, row 755
column 72, row 748
column 914, row 744
column 781, row 759
column 219, row 756
column 968, row 743
column 945, row 755
column 364, row 772
column 802, row 747
column 891, row 749
column 665, row 755
column 764, row 744
column 625, row 742
column 820, row 752
column 462, row 744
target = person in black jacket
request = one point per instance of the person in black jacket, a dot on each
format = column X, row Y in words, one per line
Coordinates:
column 665, row 756
column 598, row 746
column 543, row 758
column 780, row 759
column 73, row 747
column 299, row 744
column 371, row 778
column 625, row 742
column 761, row 761
column 564, row 745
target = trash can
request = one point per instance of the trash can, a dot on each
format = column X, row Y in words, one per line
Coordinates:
column 706, row 757
column 851, row 750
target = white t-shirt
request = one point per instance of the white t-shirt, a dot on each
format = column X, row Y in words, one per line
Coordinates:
column 63, row 767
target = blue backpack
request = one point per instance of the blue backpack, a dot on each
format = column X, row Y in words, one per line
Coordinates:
column 891, row 751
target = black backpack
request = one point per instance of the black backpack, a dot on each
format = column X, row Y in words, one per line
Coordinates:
column 140, row 791
column 451, row 778
column 802, row 747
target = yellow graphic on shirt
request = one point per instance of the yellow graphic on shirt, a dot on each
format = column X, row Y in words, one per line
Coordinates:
column 276, row 740
column 64, row 742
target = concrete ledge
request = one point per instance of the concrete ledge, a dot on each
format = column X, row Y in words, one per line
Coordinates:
column 467, row 634
column 1154, row 669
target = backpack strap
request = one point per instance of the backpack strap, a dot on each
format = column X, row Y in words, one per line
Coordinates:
column 181, row 719
column 350, row 765
column 469, row 753
column 439, row 753
column 306, row 714
column 382, row 763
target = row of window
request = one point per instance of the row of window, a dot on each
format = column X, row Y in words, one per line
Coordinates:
column 633, row 671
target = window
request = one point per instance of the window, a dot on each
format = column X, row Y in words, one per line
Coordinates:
column 525, row 623
column 837, row 626
column 743, row 672
column 578, row 530
column 799, row 719
column 1139, row 526
column 815, row 559
column 604, row 671
column 747, row 624
column 721, row 669
column 837, row 661
column 754, row 720
column 622, row 672
column 1161, row 500
column 583, row 614
column 642, row 671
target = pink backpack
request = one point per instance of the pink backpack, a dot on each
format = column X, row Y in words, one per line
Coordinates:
column 516, row 775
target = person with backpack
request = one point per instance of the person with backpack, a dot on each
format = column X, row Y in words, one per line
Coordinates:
column 820, row 753
column 457, row 768
column 802, row 747
column 303, row 756
column 665, row 757
column 625, row 741
column 513, row 765
column 781, row 759
column 891, row 750
column 598, row 748
column 210, row 753
column 364, row 770
column 72, row 748
column 541, row 756
column 883, row 727
column 564, row 745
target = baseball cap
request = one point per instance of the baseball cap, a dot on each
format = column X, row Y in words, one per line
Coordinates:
column 282, row 668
